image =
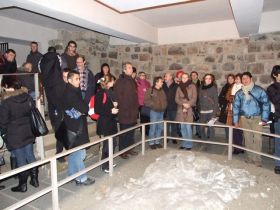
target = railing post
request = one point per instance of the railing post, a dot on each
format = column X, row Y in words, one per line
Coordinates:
column 111, row 158
column 165, row 135
column 55, row 204
column 230, row 143
column 36, row 83
column 1, row 76
column 143, row 139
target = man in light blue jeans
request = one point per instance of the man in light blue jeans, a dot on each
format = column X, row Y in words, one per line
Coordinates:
column 156, row 128
column 76, row 164
column 186, row 131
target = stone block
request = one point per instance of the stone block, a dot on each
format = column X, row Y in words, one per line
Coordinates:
column 175, row 66
column 255, row 68
column 127, row 49
column 113, row 55
column 250, row 58
column 228, row 67
column 176, row 51
column 231, row 57
column 58, row 47
column 218, row 75
column 266, row 56
column 159, row 68
column 209, row 59
column 219, row 50
column 144, row 57
column 134, row 56
column 220, row 60
column 192, row 50
column 265, row 79
column 254, row 47
column 136, row 49
column 186, row 60
column 103, row 55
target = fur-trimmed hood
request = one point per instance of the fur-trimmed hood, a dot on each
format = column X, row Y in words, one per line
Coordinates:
column 8, row 94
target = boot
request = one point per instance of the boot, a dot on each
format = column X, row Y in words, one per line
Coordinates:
column 34, row 177
column 13, row 163
column 22, row 186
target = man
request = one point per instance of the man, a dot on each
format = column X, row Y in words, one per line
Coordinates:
column 34, row 56
column 70, row 56
column 251, row 109
column 87, row 80
column 8, row 64
column 126, row 96
column 75, row 120
column 170, row 88
column 273, row 92
column 50, row 67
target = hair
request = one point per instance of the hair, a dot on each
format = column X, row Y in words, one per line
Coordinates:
column 25, row 63
column 81, row 56
column 72, row 42
column 194, row 72
column 126, row 63
column 51, row 50
column 141, row 72
column 186, row 74
column 171, row 73
column 156, row 79
column 134, row 69
column 212, row 77
column 66, row 70
column 247, row 73
column 101, row 69
column 11, row 82
column 275, row 71
column 230, row 75
column 34, row 43
column 10, row 51
column 71, row 74
column 238, row 75
column 106, row 79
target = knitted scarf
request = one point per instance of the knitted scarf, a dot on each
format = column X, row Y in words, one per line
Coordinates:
column 247, row 89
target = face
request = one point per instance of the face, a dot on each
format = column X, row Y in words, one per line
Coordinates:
column 105, row 70
column 194, row 76
column 110, row 84
column 159, row 83
column 230, row 80
column 128, row 69
column 167, row 77
column 80, row 63
column 246, row 80
column 10, row 56
column 208, row 80
column 72, row 48
column 28, row 67
column 237, row 80
column 64, row 76
column 185, row 78
column 142, row 76
column 34, row 47
column 75, row 80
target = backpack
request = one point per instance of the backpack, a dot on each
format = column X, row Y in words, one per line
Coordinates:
column 91, row 111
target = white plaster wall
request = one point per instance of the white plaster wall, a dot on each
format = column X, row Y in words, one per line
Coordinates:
column 198, row 32
column 19, row 30
column 270, row 22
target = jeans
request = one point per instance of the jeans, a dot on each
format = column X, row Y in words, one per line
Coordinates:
column 277, row 142
column 155, row 129
column 186, row 131
column 24, row 155
column 76, row 164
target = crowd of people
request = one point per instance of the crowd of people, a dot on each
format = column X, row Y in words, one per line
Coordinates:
column 70, row 87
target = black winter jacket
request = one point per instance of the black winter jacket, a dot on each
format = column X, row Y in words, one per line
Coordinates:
column 34, row 59
column 15, row 118
column 170, row 95
column 273, row 92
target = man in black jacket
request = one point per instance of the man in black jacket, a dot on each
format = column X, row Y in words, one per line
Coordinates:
column 273, row 92
column 34, row 56
column 8, row 64
column 170, row 88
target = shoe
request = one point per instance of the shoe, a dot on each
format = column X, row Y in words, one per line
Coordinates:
column 22, row 186
column 132, row 152
column 235, row 152
column 106, row 170
column 188, row 149
column 181, row 147
column 159, row 146
column 277, row 170
column 34, row 177
column 124, row 156
column 174, row 141
column 153, row 146
column 89, row 181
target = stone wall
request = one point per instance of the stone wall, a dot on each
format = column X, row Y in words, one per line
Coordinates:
column 257, row 54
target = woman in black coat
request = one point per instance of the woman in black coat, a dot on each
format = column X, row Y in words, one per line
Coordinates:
column 106, row 108
column 15, row 122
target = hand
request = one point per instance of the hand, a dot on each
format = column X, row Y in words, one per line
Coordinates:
column 187, row 106
column 115, row 111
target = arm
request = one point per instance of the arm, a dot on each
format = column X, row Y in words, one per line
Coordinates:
column 179, row 100
column 273, row 95
column 216, row 102
column 236, row 108
column 4, row 117
column 265, row 106
column 193, row 99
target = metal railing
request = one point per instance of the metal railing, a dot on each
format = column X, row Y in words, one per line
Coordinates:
column 55, row 184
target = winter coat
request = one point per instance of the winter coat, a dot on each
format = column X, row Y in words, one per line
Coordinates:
column 256, row 106
column 27, row 80
column 69, row 61
column 170, row 94
column 73, row 99
column 15, row 118
column 34, row 59
column 180, row 100
column 106, row 123
column 7, row 67
column 223, row 103
column 208, row 98
column 142, row 86
column 126, row 96
column 156, row 99
column 273, row 92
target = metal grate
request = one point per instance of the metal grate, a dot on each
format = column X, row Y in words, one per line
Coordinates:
column 4, row 47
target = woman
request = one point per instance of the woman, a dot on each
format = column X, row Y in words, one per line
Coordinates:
column 186, row 97
column 155, row 98
column 237, row 134
column 107, row 110
column 208, row 103
column 105, row 70
column 223, row 102
column 15, row 121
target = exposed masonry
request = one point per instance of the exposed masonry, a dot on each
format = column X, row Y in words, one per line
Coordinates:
column 257, row 54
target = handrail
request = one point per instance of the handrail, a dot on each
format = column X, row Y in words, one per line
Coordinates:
column 55, row 184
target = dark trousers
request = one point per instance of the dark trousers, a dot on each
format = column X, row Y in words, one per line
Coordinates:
column 55, row 111
column 105, row 152
column 144, row 119
column 126, row 139
column 204, row 118
column 237, row 138
column 172, row 128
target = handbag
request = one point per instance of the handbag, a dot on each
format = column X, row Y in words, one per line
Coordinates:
column 38, row 124
column 195, row 113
